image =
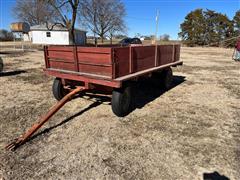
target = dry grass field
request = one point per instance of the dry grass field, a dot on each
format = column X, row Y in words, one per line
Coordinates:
column 188, row 132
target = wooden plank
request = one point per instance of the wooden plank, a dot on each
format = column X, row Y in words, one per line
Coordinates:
column 131, row 68
column 65, row 55
column 77, row 76
column 177, row 52
column 143, row 57
column 165, row 54
column 140, row 73
column 75, row 58
column 121, row 61
column 94, row 58
column 62, row 65
column 121, row 69
column 146, row 63
column 99, row 70
column 113, row 64
column 60, row 48
column 97, row 50
column 46, row 56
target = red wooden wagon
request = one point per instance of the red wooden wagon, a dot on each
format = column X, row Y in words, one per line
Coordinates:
column 109, row 68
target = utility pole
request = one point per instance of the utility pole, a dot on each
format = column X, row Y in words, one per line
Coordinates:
column 156, row 47
column 157, row 19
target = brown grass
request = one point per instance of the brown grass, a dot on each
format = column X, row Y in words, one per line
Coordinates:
column 181, row 134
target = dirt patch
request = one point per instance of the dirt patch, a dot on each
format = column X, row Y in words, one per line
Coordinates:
column 184, row 133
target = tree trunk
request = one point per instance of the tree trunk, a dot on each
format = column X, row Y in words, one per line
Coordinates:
column 111, row 38
column 72, row 25
column 102, row 38
column 71, row 36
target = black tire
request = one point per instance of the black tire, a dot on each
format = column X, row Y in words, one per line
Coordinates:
column 1, row 64
column 58, row 90
column 122, row 101
column 167, row 79
column 163, row 79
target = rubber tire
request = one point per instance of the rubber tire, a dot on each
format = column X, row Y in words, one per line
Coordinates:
column 58, row 90
column 163, row 79
column 122, row 101
column 1, row 64
column 167, row 79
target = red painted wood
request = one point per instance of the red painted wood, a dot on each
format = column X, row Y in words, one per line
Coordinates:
column 60, row 48
column 165, row 54
column 121, row 61
column 64, row 55
column 177, row 53
column 145, row 63
column 100, row 70
column 108, row 62
column 97, row 58
column 94, row 50
column 143, row 57
column 62, row 65
column 75, row 58
column 69, row 76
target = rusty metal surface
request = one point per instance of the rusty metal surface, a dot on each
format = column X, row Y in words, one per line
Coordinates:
column 22, row 139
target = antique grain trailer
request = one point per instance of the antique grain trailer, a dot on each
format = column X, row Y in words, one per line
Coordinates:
column 109, row 68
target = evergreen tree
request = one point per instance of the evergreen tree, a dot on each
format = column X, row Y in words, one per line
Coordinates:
column 193, row 28
column 207, row 28
column 236, row 23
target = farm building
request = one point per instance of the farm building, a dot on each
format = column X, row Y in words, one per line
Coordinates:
column 57, row 35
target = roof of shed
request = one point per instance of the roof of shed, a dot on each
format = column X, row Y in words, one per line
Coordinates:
column 51, row 27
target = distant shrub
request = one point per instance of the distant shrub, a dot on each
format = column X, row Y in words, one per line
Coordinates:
column 6, row 35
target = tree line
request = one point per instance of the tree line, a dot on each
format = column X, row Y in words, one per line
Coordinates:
column 6, row 35
column 211, row 28
column 101, row 17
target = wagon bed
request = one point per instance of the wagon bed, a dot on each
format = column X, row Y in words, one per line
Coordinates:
column 80, row 69
column 109, row 66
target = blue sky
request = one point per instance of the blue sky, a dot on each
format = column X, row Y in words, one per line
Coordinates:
column 141, row 13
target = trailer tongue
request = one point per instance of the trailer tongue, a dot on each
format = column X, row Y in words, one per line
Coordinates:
column 23, row 138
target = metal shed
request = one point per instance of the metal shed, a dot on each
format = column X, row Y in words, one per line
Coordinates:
column 56, row 35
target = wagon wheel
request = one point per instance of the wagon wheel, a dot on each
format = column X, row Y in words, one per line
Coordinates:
column 58, row 89
column 167, row 79
column 122, row 101
column 1, row 64
column 163, row 79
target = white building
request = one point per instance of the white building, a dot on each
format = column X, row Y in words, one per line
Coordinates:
column 56, row 35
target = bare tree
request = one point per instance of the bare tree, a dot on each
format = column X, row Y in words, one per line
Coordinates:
column 34, row 12
column 103, row 16
column 116, row 27
column 49, row 12
column 164, row 37
column 67, row 11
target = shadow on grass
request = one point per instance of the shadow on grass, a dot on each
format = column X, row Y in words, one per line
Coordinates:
column 12, row 73
column 94, row 104
column 214, row 176
column 146, row 93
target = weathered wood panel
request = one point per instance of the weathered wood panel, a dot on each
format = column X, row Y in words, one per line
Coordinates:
column 62, row 65
column 67, row 56
column 96, row 69
column 121, row 61
column 112, row 62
